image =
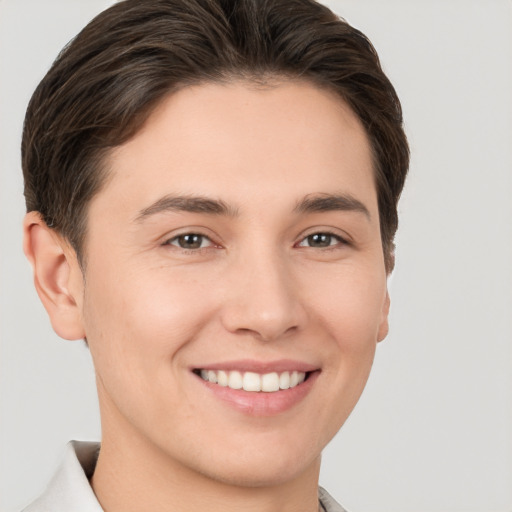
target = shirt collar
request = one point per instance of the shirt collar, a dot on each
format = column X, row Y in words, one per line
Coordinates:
column 69, row 489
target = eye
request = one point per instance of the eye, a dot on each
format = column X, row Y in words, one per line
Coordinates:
column 322, row 240
column 190, row 241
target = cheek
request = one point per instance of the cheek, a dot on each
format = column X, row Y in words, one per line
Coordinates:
column 136, row 331
column 348, row 307
column 350, row 304
column 134, row 324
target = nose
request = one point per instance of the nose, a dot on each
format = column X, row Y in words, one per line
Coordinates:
column 263, row 299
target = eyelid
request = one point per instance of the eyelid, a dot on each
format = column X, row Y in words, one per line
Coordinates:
column 177, row 237
column 343, row 238
column 189, row 230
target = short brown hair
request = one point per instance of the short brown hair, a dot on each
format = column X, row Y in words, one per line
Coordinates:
column 107, row 81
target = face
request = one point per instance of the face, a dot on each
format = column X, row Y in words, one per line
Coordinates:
column 237, row 244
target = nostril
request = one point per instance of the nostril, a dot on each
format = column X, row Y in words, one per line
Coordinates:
column 267, row 333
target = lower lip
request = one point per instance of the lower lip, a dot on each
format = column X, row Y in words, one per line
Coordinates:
column 262, row 403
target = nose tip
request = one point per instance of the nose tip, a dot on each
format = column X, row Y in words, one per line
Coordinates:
column 265, row 305
column 260, row 325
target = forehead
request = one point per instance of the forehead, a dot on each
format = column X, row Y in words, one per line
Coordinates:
column 244, row 143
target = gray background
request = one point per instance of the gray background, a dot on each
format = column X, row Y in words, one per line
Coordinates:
column 433, row 430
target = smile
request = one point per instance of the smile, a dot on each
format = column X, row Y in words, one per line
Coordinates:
column 253, row 382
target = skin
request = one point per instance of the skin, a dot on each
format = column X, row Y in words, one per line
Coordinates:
column 257, row 289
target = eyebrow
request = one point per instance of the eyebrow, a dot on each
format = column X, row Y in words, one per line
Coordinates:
column 316, row 203
column 192, row 204
column 312, row 203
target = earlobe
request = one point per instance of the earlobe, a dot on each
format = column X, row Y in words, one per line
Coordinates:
column 384, row 324
column 57, row 276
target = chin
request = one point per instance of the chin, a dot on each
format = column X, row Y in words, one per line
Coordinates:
column 246, row 470
column 256, row 477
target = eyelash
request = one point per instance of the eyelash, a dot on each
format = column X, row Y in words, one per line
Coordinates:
column 175, row 241
column 340, row 241
column 188, row 249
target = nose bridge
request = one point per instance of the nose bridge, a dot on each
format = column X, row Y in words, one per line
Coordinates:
column 263, row 300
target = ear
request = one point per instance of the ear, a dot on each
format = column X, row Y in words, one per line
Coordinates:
column 384, row 323
column 57, row 276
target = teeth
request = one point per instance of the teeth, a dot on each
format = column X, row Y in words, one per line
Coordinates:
column 270, row 382
column 235, row 380
column 250, row 381
column 222, row 378
column 284, row 380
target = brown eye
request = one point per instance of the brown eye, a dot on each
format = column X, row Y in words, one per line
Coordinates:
column 190, row 241
column 321, row 240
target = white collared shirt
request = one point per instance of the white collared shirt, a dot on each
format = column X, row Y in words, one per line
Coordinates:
column 69, row 490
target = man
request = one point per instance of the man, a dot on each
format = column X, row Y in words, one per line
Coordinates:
column 211, row 190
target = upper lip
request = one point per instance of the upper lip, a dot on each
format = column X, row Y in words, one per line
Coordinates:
column 250, row 365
